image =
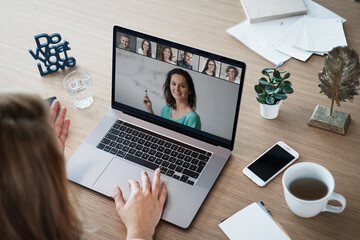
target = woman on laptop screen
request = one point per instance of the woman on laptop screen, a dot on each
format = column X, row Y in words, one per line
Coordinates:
column 166, row 55
column 232, row 74
column 180, row 97
column 34, row 199
column 210, row 68
column 145, row 48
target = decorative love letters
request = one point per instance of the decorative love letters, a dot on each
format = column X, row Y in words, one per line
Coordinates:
column 51, row 53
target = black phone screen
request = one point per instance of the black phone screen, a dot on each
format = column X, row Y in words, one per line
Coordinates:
column 48, row 102
column 271, row 162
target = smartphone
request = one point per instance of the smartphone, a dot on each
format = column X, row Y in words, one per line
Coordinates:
column 271, row 163
column 48, row 102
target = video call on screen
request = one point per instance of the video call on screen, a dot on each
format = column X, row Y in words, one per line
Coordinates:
column 180, row 86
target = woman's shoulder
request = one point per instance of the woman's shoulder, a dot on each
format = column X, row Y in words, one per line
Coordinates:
column 166, row 108
column 193, row 120
column 193, row 115
column 165, row 111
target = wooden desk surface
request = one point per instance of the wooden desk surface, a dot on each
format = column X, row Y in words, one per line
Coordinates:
column 87, row 25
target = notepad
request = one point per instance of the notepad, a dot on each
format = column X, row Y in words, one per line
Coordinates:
column 262, row 10
column 253, row 222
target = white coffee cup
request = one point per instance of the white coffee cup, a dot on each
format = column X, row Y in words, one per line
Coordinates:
column 310, row 208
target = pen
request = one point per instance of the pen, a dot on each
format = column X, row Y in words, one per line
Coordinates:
column 276, row 221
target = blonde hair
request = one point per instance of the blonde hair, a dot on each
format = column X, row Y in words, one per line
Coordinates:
column 34, row 199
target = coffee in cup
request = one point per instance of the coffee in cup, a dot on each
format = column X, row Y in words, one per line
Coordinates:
column 308, row 187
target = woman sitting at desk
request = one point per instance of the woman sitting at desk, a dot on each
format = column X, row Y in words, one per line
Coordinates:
column 180, row 96
column 34, row 194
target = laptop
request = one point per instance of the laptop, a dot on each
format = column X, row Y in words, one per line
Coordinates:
column 188, row 130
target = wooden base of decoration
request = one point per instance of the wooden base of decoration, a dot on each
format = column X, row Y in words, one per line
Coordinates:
column 337, row 123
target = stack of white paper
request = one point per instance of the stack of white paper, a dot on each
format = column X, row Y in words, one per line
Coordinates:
column 320, row 35
column 278, row 40
column 262, row 10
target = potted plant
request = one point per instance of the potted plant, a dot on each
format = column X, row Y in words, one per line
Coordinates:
column 271, row 91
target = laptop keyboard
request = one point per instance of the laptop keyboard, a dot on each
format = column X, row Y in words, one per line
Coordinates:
column 175, row 159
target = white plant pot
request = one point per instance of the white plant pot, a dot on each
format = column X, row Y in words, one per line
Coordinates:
column 270, row 111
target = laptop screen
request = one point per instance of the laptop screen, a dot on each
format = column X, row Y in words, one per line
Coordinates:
column 179, row 87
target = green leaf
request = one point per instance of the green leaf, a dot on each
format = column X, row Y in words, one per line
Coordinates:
column 288, row 89
column 265, row 72
column 287, row 83
column 259, row 88
column 270, row 100
column 277, row 80
column 277, row 74
column 270, row 89
column 261, row 98
column 280, row 96
column 279, row 64
column 279, row 90
column 263, row 82
column 287, row 75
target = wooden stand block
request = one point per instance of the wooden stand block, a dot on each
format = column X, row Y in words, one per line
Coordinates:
column 337, row 123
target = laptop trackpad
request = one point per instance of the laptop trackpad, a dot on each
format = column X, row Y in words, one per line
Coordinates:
column 118, row 172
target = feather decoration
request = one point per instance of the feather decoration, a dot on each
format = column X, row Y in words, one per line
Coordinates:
column 340, row 76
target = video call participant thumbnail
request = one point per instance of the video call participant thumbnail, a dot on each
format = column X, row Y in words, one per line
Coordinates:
column 124, row 42
column 166, row 55
column 145, row 48
column 210, row 68
column 185, row 62
column 232, row 74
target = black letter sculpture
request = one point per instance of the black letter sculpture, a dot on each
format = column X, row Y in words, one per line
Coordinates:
column 53, row 57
